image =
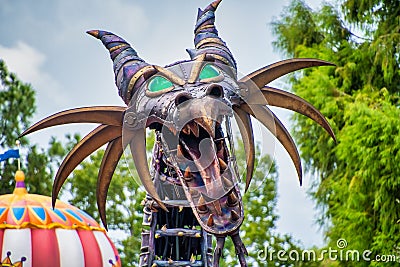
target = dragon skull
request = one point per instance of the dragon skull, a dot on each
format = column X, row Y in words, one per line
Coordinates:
column 190, row 105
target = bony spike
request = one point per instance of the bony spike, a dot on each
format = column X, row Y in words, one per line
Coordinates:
column 232, row 199
column 210, row 221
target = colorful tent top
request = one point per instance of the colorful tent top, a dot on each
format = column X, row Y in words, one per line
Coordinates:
column 32, row 233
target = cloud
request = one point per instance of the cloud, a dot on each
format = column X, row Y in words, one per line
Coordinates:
column 113, row 16
column 24, row 60
column 29, row 66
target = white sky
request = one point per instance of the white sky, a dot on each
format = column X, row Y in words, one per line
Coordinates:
column 45, row 43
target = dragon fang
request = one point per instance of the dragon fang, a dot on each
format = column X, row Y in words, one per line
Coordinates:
column 192, row 183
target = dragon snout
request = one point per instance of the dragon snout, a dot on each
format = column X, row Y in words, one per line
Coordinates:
column 211, row 107
column 212, row 90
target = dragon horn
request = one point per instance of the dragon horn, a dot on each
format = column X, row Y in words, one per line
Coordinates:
column 127, row 63
column 206, row 41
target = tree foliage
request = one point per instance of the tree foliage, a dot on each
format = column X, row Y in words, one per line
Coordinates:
column 17, row 106
column 358, row 186
column 124, row 209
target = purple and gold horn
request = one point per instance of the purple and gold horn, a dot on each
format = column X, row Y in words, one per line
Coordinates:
column 128, row 66
column 130, row 71
column 207, row 42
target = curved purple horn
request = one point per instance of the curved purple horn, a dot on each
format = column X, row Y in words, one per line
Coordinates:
column 207, row 40
column 126, row 62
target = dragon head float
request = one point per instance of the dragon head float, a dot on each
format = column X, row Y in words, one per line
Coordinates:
column 190, row 105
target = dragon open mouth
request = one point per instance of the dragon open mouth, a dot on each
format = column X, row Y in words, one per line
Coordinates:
column 198, row 160
column 201, row 160
column 202, row 155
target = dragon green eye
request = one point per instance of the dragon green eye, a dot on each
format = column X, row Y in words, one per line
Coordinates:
column 159, row 83
column 209, row 72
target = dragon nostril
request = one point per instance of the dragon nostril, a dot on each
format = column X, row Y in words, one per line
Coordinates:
column 182, row 97
column 215, row 90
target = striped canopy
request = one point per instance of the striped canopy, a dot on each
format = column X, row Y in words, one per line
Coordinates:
column 33, row 234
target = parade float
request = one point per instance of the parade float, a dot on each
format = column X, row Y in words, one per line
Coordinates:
column 193, row 183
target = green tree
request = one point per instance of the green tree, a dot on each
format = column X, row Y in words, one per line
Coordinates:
column 124, row 209
column 17, row 106
column 358, row 184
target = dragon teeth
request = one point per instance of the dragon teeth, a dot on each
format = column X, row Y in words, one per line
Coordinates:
column 234, row 216
column 222, row 164
column 202, row 205
column 186, row 129
column 207, row 124
column 210, row 221
column 187, row 175
column 232, row 199
column 194, row 127
column 227, row 183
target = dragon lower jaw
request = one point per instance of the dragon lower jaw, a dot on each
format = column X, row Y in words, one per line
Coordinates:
column 203, row 168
